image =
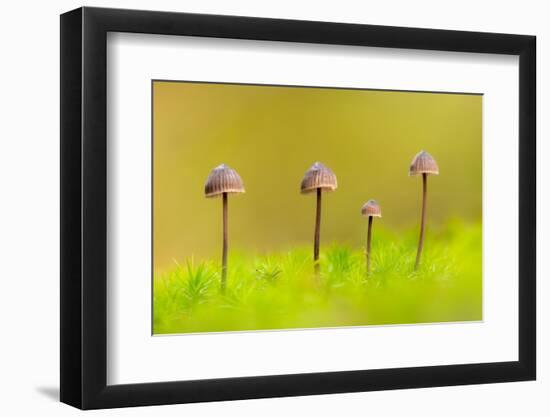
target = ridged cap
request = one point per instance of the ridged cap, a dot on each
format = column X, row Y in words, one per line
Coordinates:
column 318, row 176
column 423, row 163
column 223, row 179
column 371, row 209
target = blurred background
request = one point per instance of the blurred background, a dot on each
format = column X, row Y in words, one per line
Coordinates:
column 271, row 135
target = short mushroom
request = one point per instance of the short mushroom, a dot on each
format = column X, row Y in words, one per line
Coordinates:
column 223, row 181
column 370, row 209
column 316, row 179
column 424, row 164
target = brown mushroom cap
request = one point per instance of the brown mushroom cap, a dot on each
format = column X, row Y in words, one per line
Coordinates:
column 318, row 176
column 423, row 163
column 371, row 209
column 223, row 179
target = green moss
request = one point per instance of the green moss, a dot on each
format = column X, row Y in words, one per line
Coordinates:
column 280, row 290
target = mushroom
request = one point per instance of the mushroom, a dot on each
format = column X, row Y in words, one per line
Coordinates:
column 223, row 180
column 424, row 164
column 370, row 209
column 318, row 178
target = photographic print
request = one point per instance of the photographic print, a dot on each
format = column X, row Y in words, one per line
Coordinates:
column 391, row 195
column 285, row 207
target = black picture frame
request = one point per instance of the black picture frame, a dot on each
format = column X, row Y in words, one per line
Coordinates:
column 84, row 207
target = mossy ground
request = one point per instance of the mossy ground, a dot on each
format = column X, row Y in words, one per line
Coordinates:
column 280, row 290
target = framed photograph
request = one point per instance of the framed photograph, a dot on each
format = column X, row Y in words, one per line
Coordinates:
column 258, row 208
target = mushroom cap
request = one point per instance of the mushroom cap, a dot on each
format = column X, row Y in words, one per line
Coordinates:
column 318, row 176
column 371, row 209
column 423, row 163
column 223, row 179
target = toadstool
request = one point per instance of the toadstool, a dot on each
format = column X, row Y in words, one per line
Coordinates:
column 223, row 180
column 424, row 164
column 316, row 179
column 370, row 209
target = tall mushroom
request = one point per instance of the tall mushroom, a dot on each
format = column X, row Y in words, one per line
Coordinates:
column 424, row 164
column 223, row 181
column 370, row 209
column 318, row 178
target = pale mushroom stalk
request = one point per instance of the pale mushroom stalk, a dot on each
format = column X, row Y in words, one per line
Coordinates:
column 318, row 178
column 370, row 209
column 423, row 163
column 221, row 182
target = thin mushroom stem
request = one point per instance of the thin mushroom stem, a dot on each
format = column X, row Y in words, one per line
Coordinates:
column 369, row 241
column 224, row 250
column 317, row 232
column 423, row 220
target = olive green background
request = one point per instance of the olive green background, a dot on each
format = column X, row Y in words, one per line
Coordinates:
column 272, row 134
